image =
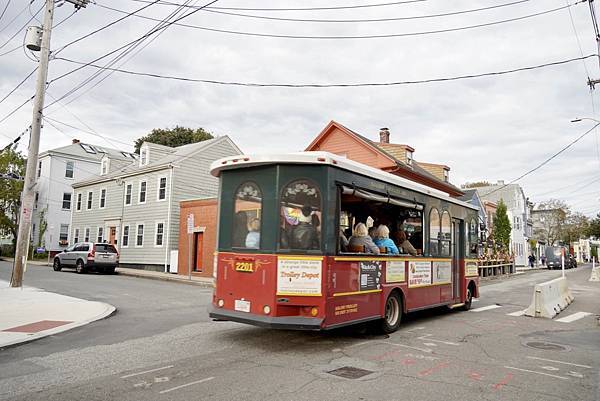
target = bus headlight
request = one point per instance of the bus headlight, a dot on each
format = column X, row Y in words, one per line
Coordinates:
column 314, row 311
column 267, row 309
column 221, row 303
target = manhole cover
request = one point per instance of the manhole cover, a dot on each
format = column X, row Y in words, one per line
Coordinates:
column 546, row 346
column 349, row 372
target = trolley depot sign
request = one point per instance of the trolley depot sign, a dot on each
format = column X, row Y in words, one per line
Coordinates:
column 300, row 276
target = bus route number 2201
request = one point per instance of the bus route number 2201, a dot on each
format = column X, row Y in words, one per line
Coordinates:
column 247, row 266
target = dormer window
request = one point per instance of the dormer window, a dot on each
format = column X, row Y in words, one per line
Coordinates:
column 144, row 156
column 409, row 157
column 104, row 166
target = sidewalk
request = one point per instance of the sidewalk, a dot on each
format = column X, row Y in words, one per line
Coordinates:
column 29, row 313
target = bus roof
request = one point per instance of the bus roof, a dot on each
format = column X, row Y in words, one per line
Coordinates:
column 320, row 158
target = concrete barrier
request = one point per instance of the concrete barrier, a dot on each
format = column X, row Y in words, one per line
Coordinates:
column 595, row 274
column 550, row 298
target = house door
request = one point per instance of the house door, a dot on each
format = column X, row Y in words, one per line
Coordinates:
column 112, row 235
column 198, row 242
column 457, row 249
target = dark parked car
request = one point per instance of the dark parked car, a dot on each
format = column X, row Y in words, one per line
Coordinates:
column 88, row 256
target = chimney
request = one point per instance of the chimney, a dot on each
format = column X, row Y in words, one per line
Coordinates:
column 384, row 135
column 75, row 141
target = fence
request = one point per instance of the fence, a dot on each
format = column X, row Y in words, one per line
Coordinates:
column 489, row 268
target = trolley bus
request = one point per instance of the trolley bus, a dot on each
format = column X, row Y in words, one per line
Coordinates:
column 283, row 258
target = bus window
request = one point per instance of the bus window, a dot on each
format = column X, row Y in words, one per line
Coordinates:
column 434, row 231
column 300, row 227
column 446, row 238
column 248, row 204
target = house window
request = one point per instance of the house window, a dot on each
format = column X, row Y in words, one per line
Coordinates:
column 89, row 200
column 409, row 157
column 63, row 236
column 142, row 198
column 39, row 174
column 69, row 169
column 125, row 242
column 162, row 188
column 102, row 198
column 128, row 189
column 144, row 157
column 78, row 202
column 446, row 175
column 86, row 238
column 66, row 203
column 88, row 148
column 76, row 236
column 104, row 167
column 139, row 235
column 37, row 198
column 160, row 231
column 100, row 234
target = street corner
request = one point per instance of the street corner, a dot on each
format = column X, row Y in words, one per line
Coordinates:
column 28, row 314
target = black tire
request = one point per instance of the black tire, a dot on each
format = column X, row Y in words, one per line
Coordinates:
column 80, row 267
column 56, row 265
column 109, row 270
column 469, row 299
column 393, row 313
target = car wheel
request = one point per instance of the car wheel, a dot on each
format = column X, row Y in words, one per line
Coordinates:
column 56, row 265
column 393, row 313
column 468, row 300
column 80, row 267
column 109, row 270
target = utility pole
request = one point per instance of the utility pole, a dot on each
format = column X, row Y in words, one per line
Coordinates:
column 28, row 195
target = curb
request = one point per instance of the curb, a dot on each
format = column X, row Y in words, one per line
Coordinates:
column 163, row 278
column 110, row 311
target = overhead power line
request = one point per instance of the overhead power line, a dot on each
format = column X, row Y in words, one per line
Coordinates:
column 350, row 20
column 542, row 164
column 340, row 85
column 4, row 10
column 16, row 109
column 16, row 16
column 19, row 85
column 379, row 36
column 393, row 3
column 22, row 28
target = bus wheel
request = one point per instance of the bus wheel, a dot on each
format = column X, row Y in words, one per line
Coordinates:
column 469, row 299
column 393, row 313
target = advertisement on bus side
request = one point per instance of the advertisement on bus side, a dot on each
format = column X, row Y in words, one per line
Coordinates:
column 299, row 277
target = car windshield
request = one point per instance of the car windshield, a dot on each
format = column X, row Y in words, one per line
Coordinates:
column 105, row 248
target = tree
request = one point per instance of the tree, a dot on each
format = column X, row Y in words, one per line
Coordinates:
column 594, row 227
column 552, row 219
column 576, row 227
column 173, row 137
column 11, row 163
column 476, row 184
column 502, row 226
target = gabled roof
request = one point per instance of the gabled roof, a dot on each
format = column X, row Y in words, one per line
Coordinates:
column 414, row 171
column 179, row 154
column 93, row 152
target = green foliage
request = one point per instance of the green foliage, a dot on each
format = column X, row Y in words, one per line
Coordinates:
column 476, row 184
column 173, row 137
column 502, row 226
column 11, row 162
column 575, row 227
column 593, row 229
column 43, row 228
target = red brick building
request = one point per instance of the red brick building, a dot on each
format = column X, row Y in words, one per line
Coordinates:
column 203, row 240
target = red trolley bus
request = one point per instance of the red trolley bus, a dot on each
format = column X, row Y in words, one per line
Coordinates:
column 283, row 259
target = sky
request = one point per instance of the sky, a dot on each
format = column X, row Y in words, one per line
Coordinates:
column 487, row 128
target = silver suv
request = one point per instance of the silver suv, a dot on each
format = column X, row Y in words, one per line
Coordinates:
column 87, row 256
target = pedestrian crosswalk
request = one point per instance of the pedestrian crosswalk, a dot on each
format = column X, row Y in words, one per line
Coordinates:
column 563, row 318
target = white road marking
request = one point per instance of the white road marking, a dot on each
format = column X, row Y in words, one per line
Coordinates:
column 484, row 308
column 427, row 337
column 550, row 368
column 564, row 363
column 573, row 317
column 427, row 350
column 539, row 373
column 186, row 385
column 575, row 374
column 147, row 371
column 430, row 344
column 517, row 313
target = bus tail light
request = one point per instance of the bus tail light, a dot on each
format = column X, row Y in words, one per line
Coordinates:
column 314, row 311
column 267, row 309
column 220, row 303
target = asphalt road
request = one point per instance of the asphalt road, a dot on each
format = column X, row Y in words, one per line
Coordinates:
column 160, row 346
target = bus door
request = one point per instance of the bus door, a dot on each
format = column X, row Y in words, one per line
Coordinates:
column 457, row 246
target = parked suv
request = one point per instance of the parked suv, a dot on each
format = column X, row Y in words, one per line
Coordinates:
column 88, row 256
